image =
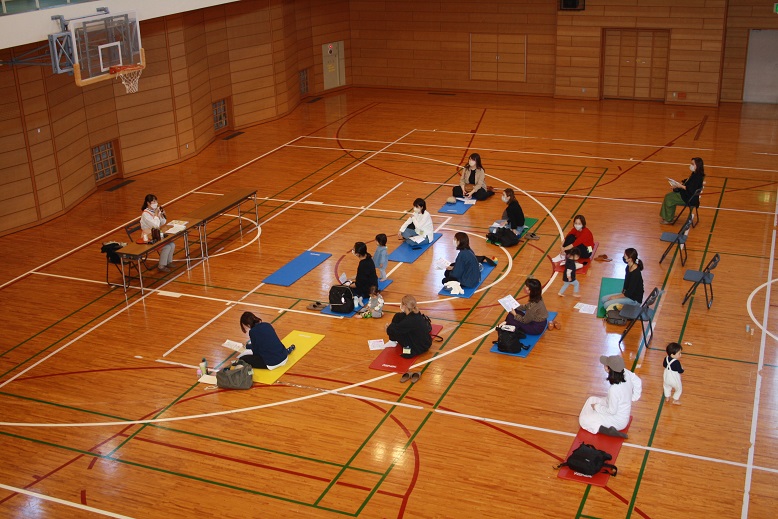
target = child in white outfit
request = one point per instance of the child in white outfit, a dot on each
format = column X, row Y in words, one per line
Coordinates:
column 672, row 373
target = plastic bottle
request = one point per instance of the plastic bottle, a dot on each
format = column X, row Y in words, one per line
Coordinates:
column 199, row 373
column 204, row 366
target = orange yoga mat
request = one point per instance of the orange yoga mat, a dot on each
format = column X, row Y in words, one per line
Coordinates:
column 609, row 444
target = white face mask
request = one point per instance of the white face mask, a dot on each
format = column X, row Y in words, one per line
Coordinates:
column 692, row 168
column 455, row 243
column 472, row 163
column 153, row 205
column 505, row 199
column 578, row 226
column 416, row 209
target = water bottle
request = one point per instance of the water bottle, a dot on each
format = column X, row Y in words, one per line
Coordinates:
column 204, row 366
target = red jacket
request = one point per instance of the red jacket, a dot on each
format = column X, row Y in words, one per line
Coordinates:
column 583, row 238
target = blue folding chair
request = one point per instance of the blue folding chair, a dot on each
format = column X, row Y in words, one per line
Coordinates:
column 705, row 277
column 643, row 313
column 678, row 239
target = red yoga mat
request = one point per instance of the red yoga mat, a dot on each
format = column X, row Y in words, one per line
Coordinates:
column 609, row 444
column 390, row 360
column 560, row 267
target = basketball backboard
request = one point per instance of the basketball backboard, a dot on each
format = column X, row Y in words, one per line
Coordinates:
column 104, row 41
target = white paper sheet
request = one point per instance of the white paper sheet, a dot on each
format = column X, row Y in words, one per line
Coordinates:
column 674, row 183
column 470, row 201
column 233, row 345
column 441, row 264
column 508, row 302
column 585, row 309
column 208, row 379
column 376, row 344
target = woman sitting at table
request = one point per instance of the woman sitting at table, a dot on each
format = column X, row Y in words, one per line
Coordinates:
column 153, row 217
column 264, row 350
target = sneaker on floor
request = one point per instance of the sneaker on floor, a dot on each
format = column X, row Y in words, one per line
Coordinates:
column 558, row 259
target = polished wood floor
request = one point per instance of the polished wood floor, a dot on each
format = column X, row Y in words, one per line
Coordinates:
column 478, row 435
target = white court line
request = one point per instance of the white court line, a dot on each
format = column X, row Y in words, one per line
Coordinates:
column 556, row 139
column 362, row 210
column 354, row 207
column 71, row 504
column 122, row 226
column 69, row 277
column 171, row 350
column 758, row 385
column 625, row 444
column 84, row 334
column 206, row 193
column 538, row 153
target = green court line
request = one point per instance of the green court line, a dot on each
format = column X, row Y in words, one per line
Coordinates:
column 163, row 471
column 63, row 406
column 394, row 462
column 655, row 426
column 55, row 323
column 451, row 384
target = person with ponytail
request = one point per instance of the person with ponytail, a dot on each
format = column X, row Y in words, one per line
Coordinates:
column 264, row 350
column 366, row 276
column 417, row 230
column 531, row 318
column 684, row 195
column 632, row 292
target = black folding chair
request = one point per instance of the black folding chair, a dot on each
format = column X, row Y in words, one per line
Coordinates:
column 643, row 313
column 694, row 207
column 112, row 258
column 705, row 277
column 678, row 239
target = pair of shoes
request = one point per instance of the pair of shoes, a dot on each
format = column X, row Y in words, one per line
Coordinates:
column 532, row 236
column 554, row 324
column 665, row 222
column 612, row 431
column 318, row 306
column 413, row 377
column 603, row 257
column 551, row 325
column 163, row 268
column 290, row 349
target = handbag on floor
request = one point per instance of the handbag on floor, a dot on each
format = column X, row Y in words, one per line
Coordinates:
column 238, row 376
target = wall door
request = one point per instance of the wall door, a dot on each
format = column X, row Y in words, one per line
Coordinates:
column 761, row 82
column 635, row 64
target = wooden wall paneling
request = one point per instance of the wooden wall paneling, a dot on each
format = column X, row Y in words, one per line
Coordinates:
column 199, row 80
column 659, row 53
column 218, row 56
column 179, row 83
column 484, row 54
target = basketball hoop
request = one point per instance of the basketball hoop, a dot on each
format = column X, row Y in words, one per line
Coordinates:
column 129, row 75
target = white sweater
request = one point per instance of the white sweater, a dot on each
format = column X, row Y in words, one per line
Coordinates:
column 422, row 222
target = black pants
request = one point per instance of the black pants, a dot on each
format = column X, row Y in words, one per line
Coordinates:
column 481, row 194
column 585, row 254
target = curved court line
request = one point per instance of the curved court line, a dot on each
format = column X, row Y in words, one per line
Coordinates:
column 79, row 506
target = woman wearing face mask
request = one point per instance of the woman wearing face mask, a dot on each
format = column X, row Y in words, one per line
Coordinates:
column 632, row 293
column 153, row 217
column 531, row 318
column 466, row 268
column 473, row 181
column 579, row 236
column 683, row 195
column 417, row 230
column 513, row 214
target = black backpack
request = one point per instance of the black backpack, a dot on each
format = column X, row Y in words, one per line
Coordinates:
column 587, row 460
column 341, row 299
column 614, row 317
column 504, row 237
column 510, row 341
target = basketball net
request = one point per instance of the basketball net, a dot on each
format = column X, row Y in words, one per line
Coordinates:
column 129, row 75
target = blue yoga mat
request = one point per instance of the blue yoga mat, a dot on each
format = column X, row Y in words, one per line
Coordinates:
column 383, row 284
column 404, row 253
column 469, row 291
column 529, row 340
column 327, row 310
column 297, row 268
column 459, row 208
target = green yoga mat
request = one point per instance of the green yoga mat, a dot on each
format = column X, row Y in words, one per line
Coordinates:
column 529, row 223
column 608, row 286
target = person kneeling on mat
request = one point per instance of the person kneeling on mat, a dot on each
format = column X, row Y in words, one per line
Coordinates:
column 410, row 328
column 611, row 414
column 264, row 350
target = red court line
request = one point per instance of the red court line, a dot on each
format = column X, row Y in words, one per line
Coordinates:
column 83, row 497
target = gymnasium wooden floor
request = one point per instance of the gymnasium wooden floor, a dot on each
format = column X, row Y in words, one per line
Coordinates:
column 101, row 412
